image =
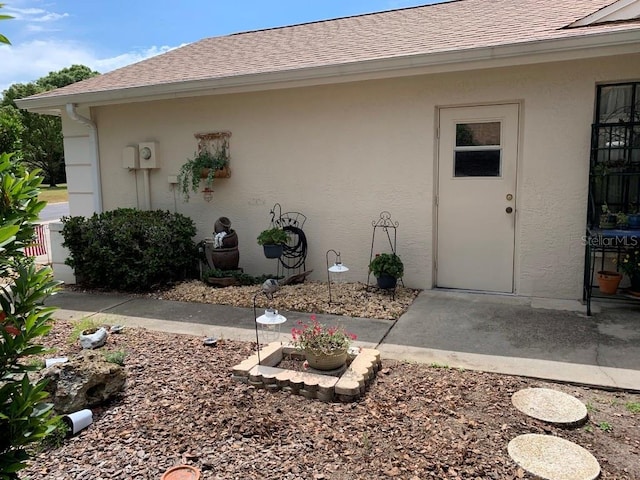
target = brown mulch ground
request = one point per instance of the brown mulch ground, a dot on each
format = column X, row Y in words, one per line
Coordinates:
column 350, row 299
column 415, row 422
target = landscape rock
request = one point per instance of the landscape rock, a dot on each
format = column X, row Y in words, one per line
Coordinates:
column 85, row 381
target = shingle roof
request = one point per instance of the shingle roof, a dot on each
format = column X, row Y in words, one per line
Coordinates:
column 446, row 27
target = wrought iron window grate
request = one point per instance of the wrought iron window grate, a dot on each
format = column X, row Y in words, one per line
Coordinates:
column 615, row 151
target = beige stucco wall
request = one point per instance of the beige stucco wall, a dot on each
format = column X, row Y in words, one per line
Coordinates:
column 341, row 154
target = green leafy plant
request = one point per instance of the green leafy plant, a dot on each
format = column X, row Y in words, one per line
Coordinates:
column 37, row 363
column 439, row 365
column 387, row 264
column 79, row 326
column 25, row 416
column 622, row 219
column 633, row 407
column 605, row 426
column 629, row 263
column 191, row 171
column 608, row 219
column 590, row 407
column 319, row 338
column 57, row 436
column 273, row 236
column 4, row 39
column 116, row 356
column 131, row 250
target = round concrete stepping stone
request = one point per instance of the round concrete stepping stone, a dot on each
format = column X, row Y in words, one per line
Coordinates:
column 550, row 406
column 553, row 458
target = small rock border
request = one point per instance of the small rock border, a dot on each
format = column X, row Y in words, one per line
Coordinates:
column 347, row 387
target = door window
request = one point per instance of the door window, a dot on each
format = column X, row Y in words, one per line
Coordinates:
column 478, row 151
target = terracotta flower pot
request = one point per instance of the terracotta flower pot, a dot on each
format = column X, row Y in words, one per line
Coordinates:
column 609, row 281
column 181, row 472
column 223, row 172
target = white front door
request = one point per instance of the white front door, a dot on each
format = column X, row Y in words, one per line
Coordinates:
column 476, row 203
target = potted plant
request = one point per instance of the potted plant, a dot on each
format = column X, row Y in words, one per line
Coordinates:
column 634, row 218
column 629, row 263
column 622, row 220
column 325, row 348
column 608, row 281
column 387, row 268
column 608, row 219
column 273, row 241
column 204, row 165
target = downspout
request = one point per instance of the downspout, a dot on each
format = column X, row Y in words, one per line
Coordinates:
column 93, row 136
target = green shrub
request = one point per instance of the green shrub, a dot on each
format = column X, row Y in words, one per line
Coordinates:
column 25, row 417
column 130, row 250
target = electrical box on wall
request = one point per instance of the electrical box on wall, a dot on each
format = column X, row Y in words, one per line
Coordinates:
column 130, row 157
column 148, row 153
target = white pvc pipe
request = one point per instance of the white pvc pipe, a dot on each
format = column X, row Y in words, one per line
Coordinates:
column 95, row 170
column 78, row 420
column 147, row 189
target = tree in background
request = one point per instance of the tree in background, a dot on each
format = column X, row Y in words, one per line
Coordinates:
column 40, row 135
column 10, row 130
column 25, row 417
column 66, row 76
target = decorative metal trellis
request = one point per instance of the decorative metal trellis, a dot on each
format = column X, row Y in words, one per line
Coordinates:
column 215, row 143
column 294, row 257
column 389, row 227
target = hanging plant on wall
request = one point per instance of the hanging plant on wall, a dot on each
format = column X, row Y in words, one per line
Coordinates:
column 210, row 161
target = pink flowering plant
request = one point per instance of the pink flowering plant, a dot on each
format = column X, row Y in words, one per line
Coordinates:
column 319, row 338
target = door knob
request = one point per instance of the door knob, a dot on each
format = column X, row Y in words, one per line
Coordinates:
column 509, row 210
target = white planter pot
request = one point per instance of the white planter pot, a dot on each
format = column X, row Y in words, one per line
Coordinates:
column 94, row 340
column 78, row 420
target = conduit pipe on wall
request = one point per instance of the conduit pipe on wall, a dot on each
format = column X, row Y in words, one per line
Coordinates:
column 147, row 188
column 95, row 170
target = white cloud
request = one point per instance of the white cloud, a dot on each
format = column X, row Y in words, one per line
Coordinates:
column 22, row 13
column 27, row 62
column 50, row 17
column 34, row 14
column 40, row 29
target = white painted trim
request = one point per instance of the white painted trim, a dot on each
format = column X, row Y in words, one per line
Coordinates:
column 618, row 11
column 572, row 48
column 95, row 161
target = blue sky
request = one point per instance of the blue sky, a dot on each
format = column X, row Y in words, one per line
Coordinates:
column 48, row 35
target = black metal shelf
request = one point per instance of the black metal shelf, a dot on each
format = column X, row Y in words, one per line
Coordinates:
column 606, row 241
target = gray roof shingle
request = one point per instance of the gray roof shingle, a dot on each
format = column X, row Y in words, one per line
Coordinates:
column 439, row 28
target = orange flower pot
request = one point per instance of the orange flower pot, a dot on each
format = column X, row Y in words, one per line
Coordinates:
column 609, row 281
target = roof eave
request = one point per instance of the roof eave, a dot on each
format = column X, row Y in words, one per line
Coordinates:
column 572, row 48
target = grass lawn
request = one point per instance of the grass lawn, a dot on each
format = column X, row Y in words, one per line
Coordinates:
column 55, row 194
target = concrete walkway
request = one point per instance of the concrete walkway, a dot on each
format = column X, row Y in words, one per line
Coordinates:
column 492, row 333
